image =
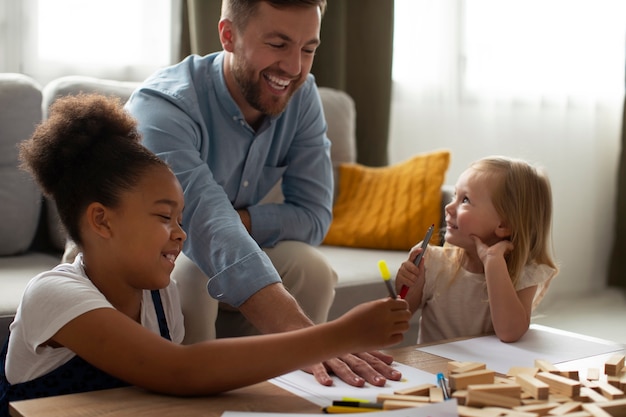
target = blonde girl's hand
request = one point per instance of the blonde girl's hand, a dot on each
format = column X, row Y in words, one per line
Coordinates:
column 498, row 250
column 408, row 273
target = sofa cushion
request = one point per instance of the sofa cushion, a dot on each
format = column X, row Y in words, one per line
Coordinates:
column 340, row 115
column 388, row 207
column 20, row 112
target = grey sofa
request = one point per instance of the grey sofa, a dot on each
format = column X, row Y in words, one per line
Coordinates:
column 31, row 240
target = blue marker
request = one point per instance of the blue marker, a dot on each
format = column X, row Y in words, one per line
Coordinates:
column 441, row 381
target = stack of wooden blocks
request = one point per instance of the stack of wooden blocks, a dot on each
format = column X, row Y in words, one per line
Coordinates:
column 542, row 390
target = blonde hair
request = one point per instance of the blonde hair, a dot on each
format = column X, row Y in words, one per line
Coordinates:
column 522, row 197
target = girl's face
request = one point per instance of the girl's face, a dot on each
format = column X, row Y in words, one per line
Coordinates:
column 471, row 212
column 146, row 230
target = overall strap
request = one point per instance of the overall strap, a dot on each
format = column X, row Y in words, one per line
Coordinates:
column 158, row 306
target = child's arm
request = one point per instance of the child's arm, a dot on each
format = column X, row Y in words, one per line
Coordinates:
column 510, row 309
column 121, row 347
column 412, row 276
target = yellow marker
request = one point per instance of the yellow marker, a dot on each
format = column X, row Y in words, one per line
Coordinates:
column 338, row 409
column 384, row 272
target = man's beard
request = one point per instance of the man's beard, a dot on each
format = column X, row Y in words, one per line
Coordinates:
column 251, row 90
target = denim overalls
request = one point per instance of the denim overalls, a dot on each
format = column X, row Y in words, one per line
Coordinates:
column 75, row 376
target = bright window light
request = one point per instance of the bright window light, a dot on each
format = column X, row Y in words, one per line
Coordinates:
column 528, row 49
column 109, row 33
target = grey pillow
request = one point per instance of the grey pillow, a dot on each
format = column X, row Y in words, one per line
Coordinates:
column 20, row 112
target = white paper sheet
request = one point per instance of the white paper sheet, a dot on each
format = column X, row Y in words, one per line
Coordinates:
column 540, row 342
column 444, row 409
column 304, row 385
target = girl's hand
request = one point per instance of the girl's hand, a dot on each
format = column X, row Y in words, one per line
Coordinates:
column 408, row 273
column 498, row 250
column 411, row 276
column 377, row 324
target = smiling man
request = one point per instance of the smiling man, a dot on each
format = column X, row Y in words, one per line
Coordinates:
column 232, row 124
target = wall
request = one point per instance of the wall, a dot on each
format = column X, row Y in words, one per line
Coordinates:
column 577, row 145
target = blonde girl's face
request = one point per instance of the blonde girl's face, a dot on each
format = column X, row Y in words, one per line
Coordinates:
column 472, row 213
column 147, row 230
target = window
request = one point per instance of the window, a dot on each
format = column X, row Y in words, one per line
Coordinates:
column 530, row 49
column 118, row 39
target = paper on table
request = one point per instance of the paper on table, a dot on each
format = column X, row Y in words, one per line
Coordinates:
column 443, row 409
column 540, row 342
column 304, row 385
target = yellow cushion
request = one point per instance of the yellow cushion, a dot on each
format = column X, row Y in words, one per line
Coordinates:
column 389, row 207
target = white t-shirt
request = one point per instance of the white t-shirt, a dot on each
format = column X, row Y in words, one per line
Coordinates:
column 54, row 298
column 455, row 301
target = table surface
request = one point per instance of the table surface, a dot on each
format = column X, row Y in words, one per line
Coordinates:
column 133, row 401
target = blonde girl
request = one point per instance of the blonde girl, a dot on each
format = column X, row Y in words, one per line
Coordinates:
column 496, row 264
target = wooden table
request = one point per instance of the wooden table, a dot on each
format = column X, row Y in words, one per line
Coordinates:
column 136, row 402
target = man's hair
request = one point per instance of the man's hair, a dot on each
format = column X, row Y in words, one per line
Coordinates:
column 240, row 11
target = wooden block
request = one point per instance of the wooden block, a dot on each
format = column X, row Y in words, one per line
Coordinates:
column 469, row 367
column 541, row 409
column 559, row 384
column 615, row 381
column 517, row 370
column 545, row 366
column 581, row 413
column 559, row 398
column 573, row 374
column 505, row 412
column 566, row 408
column 461, row 381
column 622, row 382
column 485, row 398
column 590, row 384
column 394, row 397
column 452, row 365
column 436, row 395
column 614, row 407
column 502, row 380
column 595, row 410
column 465, row 411
column 593, row 395
column 610, row 391
column 533, row 386
column 613, row 366
column 460, row 396
column 501, row 389
column 416, row 390
column 397, row 404
column 530, row 401
column 593, row 374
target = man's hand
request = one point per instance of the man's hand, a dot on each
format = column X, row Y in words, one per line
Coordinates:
column 273, row 310
column 356, row 369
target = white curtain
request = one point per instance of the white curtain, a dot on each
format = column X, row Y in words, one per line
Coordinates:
column 538, row 79
column 116, row 39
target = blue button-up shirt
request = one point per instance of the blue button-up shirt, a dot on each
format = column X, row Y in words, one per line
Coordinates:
column 188, row 118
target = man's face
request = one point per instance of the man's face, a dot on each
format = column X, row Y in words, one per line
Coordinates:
column 272, row 57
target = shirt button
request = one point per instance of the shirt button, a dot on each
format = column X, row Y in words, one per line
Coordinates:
column 245, row 183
